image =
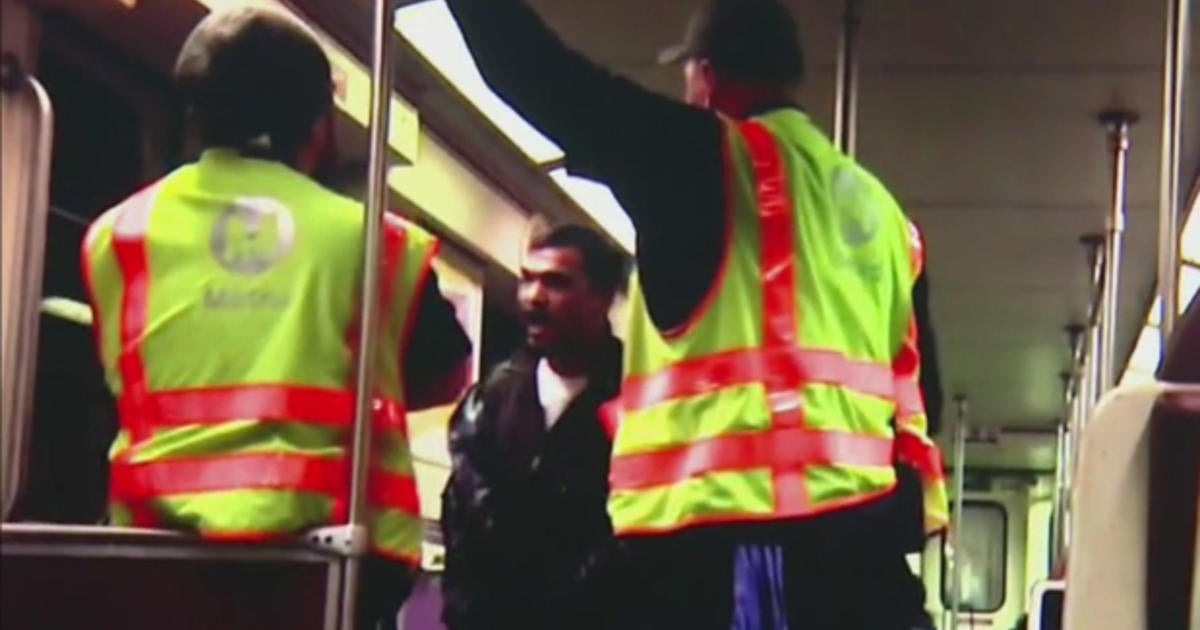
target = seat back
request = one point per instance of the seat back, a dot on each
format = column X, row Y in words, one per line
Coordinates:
column 1172, row 510
column 1114, row 531
column 93, row 577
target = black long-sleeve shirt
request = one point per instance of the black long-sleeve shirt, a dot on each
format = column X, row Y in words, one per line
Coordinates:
column 661, row 158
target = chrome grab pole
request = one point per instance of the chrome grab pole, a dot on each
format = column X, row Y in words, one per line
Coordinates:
column 20, row 360
column 1057, row 543
column 377, row 202
column 845, row 116
column 1064, row 454
column 1090, row 347
column 1117, row 122
column 1062, row 490
column 960, row 456
column 1169, row 200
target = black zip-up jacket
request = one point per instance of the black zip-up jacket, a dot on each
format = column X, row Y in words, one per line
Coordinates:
column 524, row 521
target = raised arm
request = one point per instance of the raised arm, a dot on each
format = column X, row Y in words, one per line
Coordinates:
column 931, row 377
column 664, row 160
column 437, row 357
column 611, row 129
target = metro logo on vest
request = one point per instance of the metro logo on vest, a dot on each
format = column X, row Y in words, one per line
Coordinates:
column 252, row 235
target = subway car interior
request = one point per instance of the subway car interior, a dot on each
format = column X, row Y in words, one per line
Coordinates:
column 1050, row 152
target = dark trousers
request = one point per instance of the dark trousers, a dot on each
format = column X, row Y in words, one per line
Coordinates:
column 382, row 590
column 689, row 584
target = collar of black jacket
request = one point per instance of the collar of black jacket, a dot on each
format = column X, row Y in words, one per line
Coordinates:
column 604, row 373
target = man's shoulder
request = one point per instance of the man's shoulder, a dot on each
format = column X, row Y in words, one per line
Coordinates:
column 416, row 238
column 100, row 229
column 500, row 380
column 509, row 373
column 316, row 194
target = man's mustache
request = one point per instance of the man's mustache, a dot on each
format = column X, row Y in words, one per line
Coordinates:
column 535, row 316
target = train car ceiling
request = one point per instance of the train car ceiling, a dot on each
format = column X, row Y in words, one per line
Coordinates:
column 1007, row 449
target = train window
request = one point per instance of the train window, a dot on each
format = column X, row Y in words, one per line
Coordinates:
column 1189, row 284
column 1046, row 611
column 983, row 553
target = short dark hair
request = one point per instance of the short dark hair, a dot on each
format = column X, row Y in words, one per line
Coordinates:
column 604, row 265
column 253, row 72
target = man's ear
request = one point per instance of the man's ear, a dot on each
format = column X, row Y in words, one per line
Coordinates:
column 321, row 148
column 609, row 300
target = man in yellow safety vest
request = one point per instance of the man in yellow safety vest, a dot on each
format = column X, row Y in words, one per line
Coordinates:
column 771, row 384
column 225, row 314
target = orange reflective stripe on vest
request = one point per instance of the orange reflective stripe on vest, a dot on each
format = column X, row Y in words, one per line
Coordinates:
column 907, row 364
column 780, row 365
column 274, row 471
column 609, row 414
column 908, row 397
column 927, row 461
column 142, row 411
column 208, row 405
column 783, row 448
column 913, row 445
column 129, row 244
column 778, row 368
column 185, row 475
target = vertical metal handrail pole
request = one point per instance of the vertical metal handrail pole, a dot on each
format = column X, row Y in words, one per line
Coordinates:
column 1063, row 508
column 1064, row 455
column 18, row 413
column 1169, row 200
column 845, row 116
column 1057, row 506
column 377, row 202
column 960, row 468
column 1090, row 350
column 1117, row 122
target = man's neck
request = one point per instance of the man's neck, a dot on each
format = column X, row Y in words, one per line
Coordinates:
column 568, row 364
column 749, row 101
column 767, row 107
column 576, row 360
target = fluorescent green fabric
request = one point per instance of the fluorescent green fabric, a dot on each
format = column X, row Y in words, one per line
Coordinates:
column 232, row 302
column 853, row 281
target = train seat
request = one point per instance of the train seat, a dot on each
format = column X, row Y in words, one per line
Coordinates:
column 104, row 577
column 1123, row 478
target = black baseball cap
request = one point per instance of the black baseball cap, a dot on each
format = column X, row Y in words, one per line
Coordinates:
column 750, row 40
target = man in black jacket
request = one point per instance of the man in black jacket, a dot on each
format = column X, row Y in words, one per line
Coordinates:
column 523, row 515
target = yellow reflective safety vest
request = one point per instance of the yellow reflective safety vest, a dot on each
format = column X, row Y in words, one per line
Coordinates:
column 777, row 400
column 225, row 299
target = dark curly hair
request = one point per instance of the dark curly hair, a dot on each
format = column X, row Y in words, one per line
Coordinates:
column 254, row 76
